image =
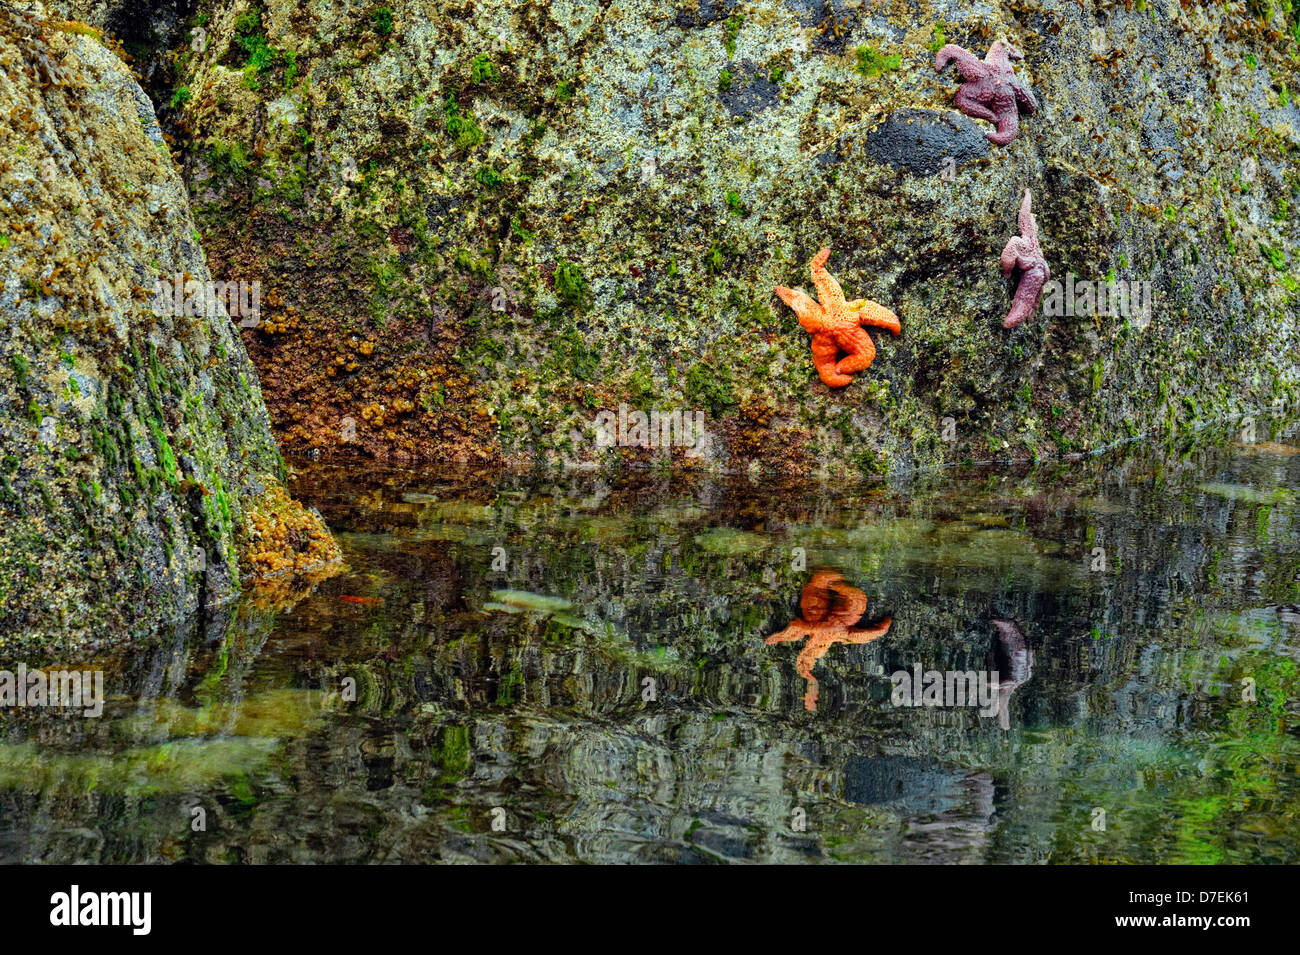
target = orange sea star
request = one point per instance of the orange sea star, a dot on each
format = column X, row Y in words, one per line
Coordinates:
column 834, row 324
column 830, row 609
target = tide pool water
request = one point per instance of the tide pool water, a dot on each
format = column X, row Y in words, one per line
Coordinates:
column 685, row 668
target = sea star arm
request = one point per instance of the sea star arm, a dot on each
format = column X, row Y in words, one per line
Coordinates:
column 829, row 292
column 811, row 315
column 1015, row 250
column 816, row 648
column 861, row 353
column 819, row 594
column 867, row 634
column 855, row 601
column 1025, row 302
column 1024, row 97
column 868, row 312
column 797, row 630
column 1028, row 227
column 970, row 66
column 1008, row 121
column 824, row 353
column 966, row 99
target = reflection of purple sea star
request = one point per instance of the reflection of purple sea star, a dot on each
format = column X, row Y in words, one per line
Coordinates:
column 1023, row 252
column 990, row 88
column 1019, row 662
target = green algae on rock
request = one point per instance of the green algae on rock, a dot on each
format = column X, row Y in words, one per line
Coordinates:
column 487, row 257
column 136, row 447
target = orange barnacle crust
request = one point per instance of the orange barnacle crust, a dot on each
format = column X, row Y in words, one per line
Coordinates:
column 285, row 549
column 835, row 324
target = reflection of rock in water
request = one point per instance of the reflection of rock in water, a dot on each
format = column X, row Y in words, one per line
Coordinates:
column 723, row 836
column 905, row 783
column 960, row 834
column 460, row 710
column 948, row 813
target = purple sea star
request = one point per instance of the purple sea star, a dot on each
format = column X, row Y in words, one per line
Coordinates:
column 990, row 88
column 1023, row 252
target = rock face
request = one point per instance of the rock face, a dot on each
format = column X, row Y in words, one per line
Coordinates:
column 139, row 479
column 479, row 224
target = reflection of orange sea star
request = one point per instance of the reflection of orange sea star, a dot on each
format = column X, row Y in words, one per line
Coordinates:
column 830, row 609
column 834, row 324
